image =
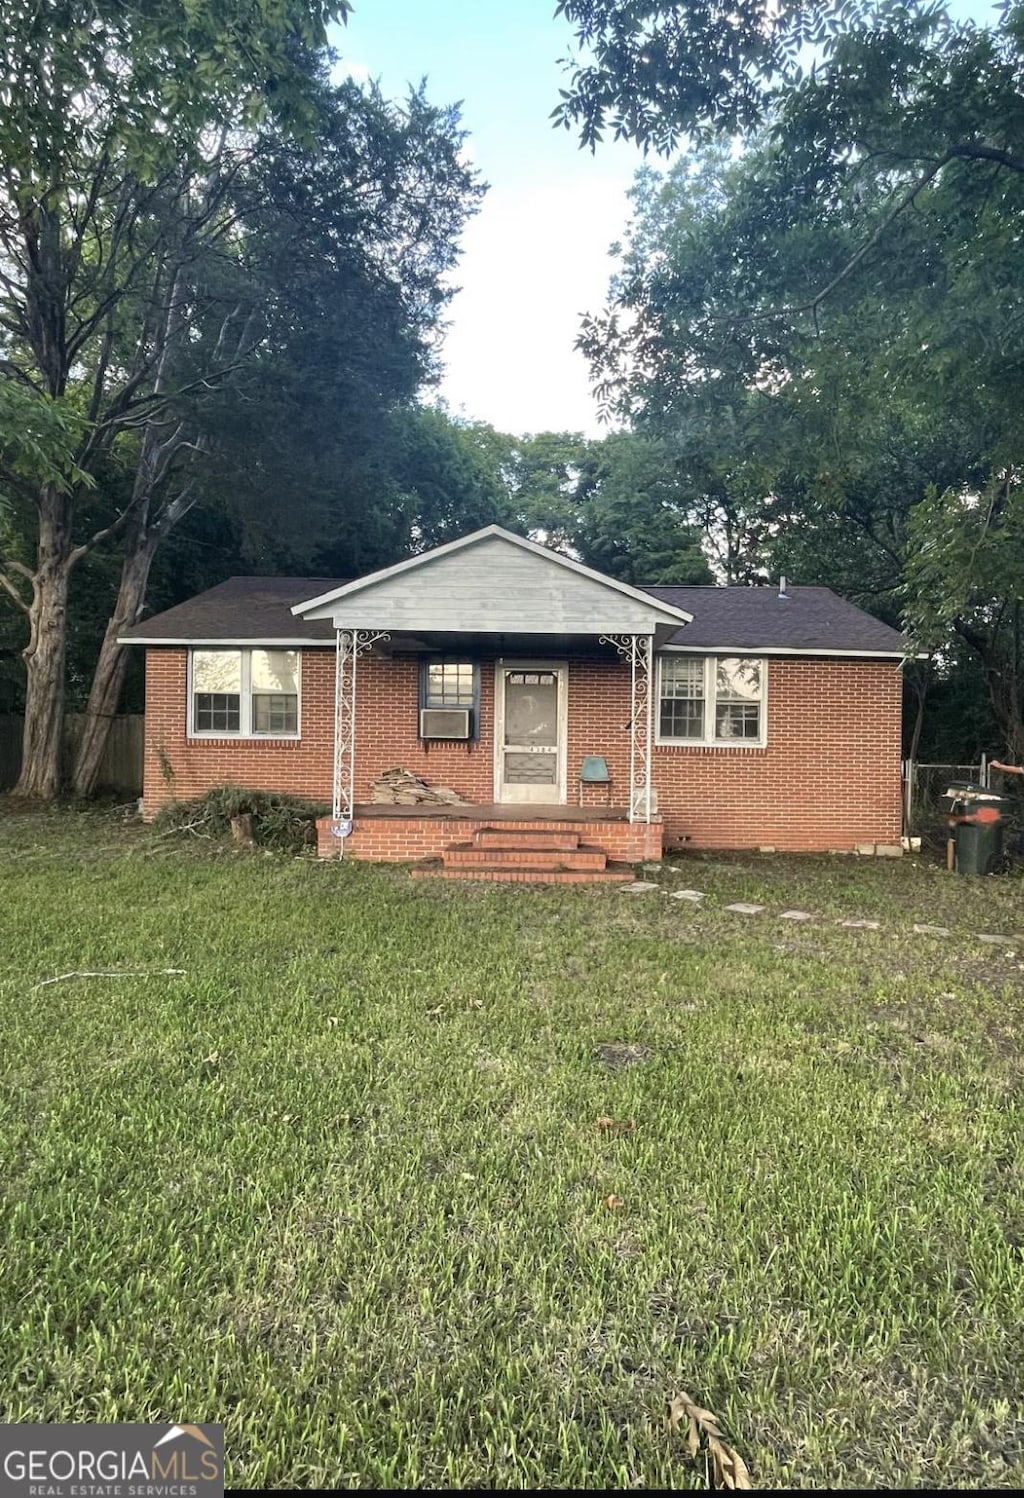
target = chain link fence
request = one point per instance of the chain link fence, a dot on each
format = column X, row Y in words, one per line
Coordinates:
column 925, row 811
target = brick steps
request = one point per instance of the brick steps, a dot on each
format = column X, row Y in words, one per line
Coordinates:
column 534, row 839
column 524, row 856
column 507, row 873
column 482, row 855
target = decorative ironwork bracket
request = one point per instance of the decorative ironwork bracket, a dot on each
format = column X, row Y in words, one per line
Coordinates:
column 351, row 644
column 638, row 650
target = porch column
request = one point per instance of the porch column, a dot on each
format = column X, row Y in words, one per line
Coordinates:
column 638, row 650
column 350, row 645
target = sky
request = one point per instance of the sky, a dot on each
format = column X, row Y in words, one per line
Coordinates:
column 535, row 258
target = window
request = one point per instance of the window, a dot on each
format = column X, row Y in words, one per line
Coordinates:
column 710, row 699
column 248, row 693
column 445, row 683
column 681, row 714
column 450, row 684
column 274, row 683
column 216, row 691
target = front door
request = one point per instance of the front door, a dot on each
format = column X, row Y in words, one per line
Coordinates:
column 530, row 718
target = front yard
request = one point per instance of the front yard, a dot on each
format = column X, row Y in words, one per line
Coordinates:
column 362, row 1181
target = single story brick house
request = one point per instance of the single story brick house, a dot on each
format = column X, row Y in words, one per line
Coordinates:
column 584, row 724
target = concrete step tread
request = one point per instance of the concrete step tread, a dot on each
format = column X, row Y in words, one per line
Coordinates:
column 612, row 873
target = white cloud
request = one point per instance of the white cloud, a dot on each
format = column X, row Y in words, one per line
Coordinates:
column 534, row 261
column 359, row 72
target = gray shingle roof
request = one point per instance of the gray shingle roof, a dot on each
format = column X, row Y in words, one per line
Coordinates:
column 740, row 619
column 243, row 608
column 758, row 619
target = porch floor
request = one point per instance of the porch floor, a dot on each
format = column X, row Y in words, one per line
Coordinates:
column 484, row 811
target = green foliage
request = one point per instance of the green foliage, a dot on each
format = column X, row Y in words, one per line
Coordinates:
column 229, row 325
column 659, row 72
column 284, row 823
column 633, row 520
column 826, row 332
column 87, row 79
column 346, row 255
column 965, row 555
column 39, row 440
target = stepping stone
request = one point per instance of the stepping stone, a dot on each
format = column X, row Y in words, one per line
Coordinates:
column 640, row 887
column 696, row 895
column 931, row 930
column 996, row 939
column 796, row 915
column 651, row 868
column 741, row 908
column 861, row 925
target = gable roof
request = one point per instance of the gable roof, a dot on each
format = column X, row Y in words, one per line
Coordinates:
column 809, row 621
column 806, row 621
column 512, row 568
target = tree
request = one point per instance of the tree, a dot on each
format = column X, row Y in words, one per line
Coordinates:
column 621, row 509
column 847, row 442
column 965, row 574
column 328, row 293
column 116, row 124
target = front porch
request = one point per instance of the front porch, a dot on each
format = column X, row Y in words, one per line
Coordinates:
column 411, row 834
column 535, row 688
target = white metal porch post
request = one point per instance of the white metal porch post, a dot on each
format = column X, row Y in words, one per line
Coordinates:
column 639, row 651
column 350, row 645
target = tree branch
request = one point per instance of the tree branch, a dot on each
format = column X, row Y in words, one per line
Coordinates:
column 972, row 151
column 101, row 535
column 9, row 587
column 811, row 306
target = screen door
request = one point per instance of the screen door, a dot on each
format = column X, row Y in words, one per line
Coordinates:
column 531, row 734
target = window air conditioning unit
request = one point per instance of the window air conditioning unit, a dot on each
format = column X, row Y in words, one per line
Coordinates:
column 444, row 723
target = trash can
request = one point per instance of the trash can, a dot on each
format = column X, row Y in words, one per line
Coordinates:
column 976, row 816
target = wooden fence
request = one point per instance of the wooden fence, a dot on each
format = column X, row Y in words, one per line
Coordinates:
column 120, row 771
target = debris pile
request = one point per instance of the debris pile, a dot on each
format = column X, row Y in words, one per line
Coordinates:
column 403, row 788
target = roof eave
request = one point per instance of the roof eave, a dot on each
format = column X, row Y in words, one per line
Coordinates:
column 763, row 648
column 246, row 642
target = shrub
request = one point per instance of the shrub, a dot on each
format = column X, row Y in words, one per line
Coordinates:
column 286, row 823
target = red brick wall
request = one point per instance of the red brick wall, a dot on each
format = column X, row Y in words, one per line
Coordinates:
column 829, row 776
column 388, row 703
column 176, row 767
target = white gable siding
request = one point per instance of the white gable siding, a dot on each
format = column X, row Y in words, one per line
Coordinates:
column 497, row 588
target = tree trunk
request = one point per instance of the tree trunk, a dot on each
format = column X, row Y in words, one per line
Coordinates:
column 45, row 655
column 919, row 678
column 108, row 677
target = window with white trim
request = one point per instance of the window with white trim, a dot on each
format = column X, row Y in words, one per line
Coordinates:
column 708, row 699
column 245, row 693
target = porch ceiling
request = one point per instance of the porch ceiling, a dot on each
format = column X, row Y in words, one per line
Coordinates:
column 519, row 645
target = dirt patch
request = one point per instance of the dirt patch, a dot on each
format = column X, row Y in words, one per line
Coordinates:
column 618, row 1056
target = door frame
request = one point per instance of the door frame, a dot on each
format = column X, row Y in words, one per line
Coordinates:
column 561, row 669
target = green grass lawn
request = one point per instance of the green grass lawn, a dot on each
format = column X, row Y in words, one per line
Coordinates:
column 342, row 1187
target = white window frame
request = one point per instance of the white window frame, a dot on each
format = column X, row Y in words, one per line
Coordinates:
column 708, row 739
column 245, row 729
